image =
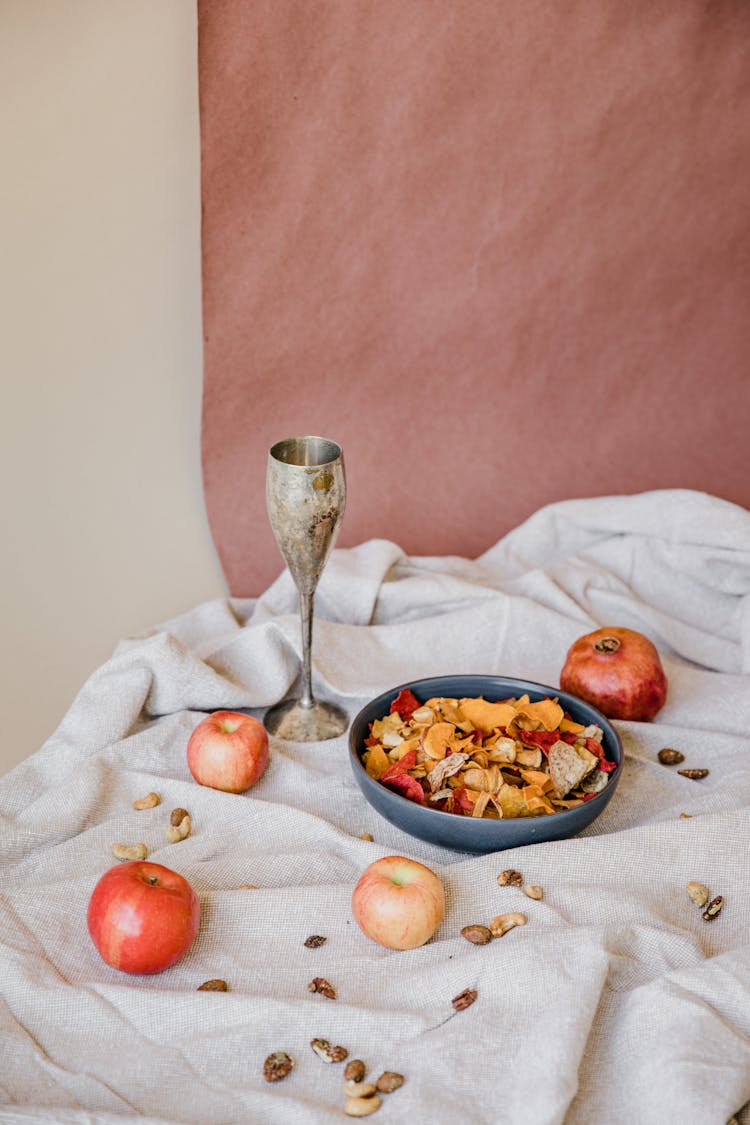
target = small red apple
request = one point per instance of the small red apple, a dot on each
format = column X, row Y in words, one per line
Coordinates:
column 143, row 917
column 228, row 751
column 618, row 671
column 398, row 902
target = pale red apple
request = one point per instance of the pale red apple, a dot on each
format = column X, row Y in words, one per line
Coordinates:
column 398, row 902
column 142, row 917
column 228, row 751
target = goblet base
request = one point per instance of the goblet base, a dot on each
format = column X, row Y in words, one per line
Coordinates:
column 296, row 723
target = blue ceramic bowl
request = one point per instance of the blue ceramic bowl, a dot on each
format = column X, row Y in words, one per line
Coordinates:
column 470, row 834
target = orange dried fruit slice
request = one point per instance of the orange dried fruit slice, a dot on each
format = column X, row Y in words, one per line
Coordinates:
column 488, row 716
column 436, row 739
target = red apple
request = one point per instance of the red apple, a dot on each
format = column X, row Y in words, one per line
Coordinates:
column 618, row 671
column 228, row 751
column 398, row 902
column 143, row 917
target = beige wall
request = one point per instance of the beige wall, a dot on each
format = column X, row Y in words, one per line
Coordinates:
column 103, row 525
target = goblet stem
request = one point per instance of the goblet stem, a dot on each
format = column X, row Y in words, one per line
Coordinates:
column 306, row 611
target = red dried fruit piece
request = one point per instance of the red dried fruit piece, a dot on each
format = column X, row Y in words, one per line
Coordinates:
column 406, row 704
column 606, row 766
column 462, row 802
column 594, row 747
column 403, row 765
column 407, row 786
column 544, row 739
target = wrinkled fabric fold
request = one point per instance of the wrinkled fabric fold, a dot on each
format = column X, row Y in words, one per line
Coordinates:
column 616, row 1002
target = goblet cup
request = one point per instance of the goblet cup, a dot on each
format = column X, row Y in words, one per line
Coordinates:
column 305, row 498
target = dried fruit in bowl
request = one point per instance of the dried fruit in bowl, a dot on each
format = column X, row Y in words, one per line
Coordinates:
column 473, row 757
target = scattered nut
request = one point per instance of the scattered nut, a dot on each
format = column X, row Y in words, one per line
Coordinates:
column 695, row 775
column 324, row 987
column 698, row 893
column 669, row 757
column 213, row 986
column 505, row 922
column 177, row 816
column 464, row 999
column 686, row 816
column 510, row 878
column 361, row 1107
column 477, row 935
column 533, row 892
column 247, row 887
column 277, row 1066
column 129, row 851
column 315, row 941
column 175, row 834
column 355, row 1070
column 366, row 836
column 389, row 1081
column 713, row 908
column 150, row 801
column 326, row 1052
column 359, row 1089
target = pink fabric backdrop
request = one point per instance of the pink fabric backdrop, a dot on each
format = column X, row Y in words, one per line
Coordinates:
column 499, row 251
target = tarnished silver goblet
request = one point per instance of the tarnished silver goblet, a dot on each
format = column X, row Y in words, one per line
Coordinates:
column 306, row 497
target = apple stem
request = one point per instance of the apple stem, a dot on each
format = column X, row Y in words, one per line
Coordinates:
column 607, row 644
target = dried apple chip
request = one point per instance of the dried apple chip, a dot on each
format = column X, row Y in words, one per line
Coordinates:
column 376, row 761
column 511, row 801
column 546, row 711
column 535, row 799
column 488, row 716
column 436, row 739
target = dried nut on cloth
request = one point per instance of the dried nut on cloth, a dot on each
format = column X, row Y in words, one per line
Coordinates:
column 713, row 909
column 505, row 922
column 355, row 1070
column 315, row 941
column 669, row 757
column 150, row 801
column 277, row 1066
column 175, row 833
column 389, row 1081
column 359, row 1089
column 129, row 851
column 476, row 934
column 324, row 987
column 510, row 878
column 694, row 775
column 327, row 1053
column 533, row 892
column 361, row 1107
column 464, row 999
column 698, row 893
column 213, row 986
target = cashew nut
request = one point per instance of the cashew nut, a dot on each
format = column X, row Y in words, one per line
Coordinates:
column 181, row 832
column 129, row 851
column 505, row 922
column 361, row 1107
column 150, row 801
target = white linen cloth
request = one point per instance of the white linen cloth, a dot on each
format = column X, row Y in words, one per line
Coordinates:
column 616, row 1003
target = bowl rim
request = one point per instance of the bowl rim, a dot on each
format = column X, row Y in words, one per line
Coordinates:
column 490, row 823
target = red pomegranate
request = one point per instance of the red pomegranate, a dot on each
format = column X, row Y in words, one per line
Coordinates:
column 618, row 671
